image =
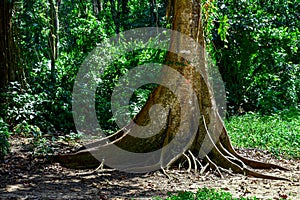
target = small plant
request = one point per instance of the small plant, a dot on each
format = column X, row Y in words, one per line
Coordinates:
column 204, row 194
column 39, row 144
column 71, row 138
column 27, row 130
column 277, row 133
column 4, row 135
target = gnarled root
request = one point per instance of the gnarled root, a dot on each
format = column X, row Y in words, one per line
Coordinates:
column 222, row 157
column 219, row 159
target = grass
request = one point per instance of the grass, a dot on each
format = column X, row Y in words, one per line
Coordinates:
column 204, row 194
column 278, row 133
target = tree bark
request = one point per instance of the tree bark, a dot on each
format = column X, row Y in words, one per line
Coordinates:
column 8, row 50
column 97, row 7
column 210, row 143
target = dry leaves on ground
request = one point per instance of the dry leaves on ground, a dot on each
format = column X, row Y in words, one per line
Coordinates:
column 26, row 177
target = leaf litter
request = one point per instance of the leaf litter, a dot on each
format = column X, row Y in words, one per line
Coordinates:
column 24, row 176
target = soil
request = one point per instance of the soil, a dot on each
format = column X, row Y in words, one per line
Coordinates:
column 24, row 176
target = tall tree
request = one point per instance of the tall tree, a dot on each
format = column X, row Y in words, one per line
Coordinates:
column 8, row 50
column 116, row 13
column 154, row 13
column 119, row 11
column 53, row 35
column 211, row 143
column 97, row 6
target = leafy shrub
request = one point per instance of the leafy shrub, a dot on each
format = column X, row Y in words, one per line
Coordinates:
column 4, row 136
column 110, row 78
column 21, row 105
column 38, row 144
column 259, row 62
column 48, row 108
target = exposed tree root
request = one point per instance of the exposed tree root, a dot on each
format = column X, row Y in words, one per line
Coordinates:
column 204, row 168
column 79, row 160
column 195, row 161
column 237, row 166
column 100, row 167
column 252, row 163
column 213, row 166
column 165, row 173
column 227, row 146
column 189, row 162
column 222, row 158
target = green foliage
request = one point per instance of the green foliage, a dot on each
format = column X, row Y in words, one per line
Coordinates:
column 205, row 194
column 46, row 103
column 4, row 136
column 41, row 108
column 40, row 143
column 223, row 28
column 277, row 133
column 70, row 138
column 260, row 62
column 21, row 105
column 110, row 78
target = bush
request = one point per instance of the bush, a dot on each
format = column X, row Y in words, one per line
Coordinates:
column 4, row 136
column 49, row 109
column 20, row 105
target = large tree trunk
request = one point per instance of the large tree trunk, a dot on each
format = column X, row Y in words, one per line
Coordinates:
column 8, row 51
column 192, row 118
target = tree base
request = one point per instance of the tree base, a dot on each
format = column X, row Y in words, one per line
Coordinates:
column 222, row 158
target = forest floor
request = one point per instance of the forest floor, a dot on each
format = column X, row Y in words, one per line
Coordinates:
column 26, row 177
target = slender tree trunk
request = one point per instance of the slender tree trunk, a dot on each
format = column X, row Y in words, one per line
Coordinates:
column 53, row 37
column 97, row 6
column 125, row 9
column 184, row 114
column 154, row 13
column 119, row 11
column 115, row 12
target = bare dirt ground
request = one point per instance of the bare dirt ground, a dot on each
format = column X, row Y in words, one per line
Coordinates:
column 26, row 177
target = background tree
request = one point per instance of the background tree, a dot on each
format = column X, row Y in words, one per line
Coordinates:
column 10, row 69
column 9, row 54
column 53, row 39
